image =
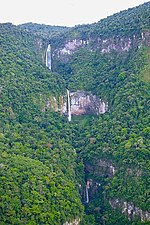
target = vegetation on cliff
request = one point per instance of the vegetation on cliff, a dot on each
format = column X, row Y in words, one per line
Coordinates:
column 45, row 161
column 36, row 185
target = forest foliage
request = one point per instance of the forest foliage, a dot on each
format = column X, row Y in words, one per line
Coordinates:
column 44, row 31
column 43, row 157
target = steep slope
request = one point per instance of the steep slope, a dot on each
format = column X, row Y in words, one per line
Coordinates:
column 45, row 160
column 36, row 185
column 111, row 59
column 23, row 77
column 115, row 146
column 118, row 33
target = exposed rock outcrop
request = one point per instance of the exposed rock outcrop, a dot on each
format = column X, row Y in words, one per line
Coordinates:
column 81, row 103
column 86, row 103
column 103, row 45
column 101, row 168
column 130, row 210
column 75, row 222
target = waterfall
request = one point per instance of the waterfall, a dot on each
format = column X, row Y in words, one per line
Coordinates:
column 87, row 194
column 48, row 57
column 69, row 106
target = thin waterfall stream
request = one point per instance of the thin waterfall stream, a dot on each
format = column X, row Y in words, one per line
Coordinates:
column 69, row 105
column 49, row 57
column 87, row 194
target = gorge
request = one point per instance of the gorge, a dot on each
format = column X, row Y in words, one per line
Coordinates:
column 74, row 122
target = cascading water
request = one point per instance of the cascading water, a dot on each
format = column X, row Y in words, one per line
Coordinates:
column 48, row 57
column 69, row 105
column 87, row 194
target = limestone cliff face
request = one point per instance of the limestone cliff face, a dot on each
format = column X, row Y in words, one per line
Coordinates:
column 105, row 168
column 81, row 103
column 101, row 168
column 86, row 103
column 130, row 210
column 103, row 45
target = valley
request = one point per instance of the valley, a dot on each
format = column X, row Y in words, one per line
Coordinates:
column 74, row 122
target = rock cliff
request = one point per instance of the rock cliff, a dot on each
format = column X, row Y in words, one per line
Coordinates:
column 81, row 103
column 101, row 44
column 130, row 210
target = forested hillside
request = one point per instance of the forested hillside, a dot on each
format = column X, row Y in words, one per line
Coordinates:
column 36, row 186
column 94, row 169
column 45, row 31
column 126, row 23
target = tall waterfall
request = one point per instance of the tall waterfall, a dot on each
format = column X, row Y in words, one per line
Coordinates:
column 48, row 57
column 87, row 194
column 69, row 105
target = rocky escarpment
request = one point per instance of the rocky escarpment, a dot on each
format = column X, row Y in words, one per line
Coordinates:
column 101, row 44
column 130, row 210
column 104, row 169
column 101, row 168
column 95, row 175
column 86, row 103
column 81, row 103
